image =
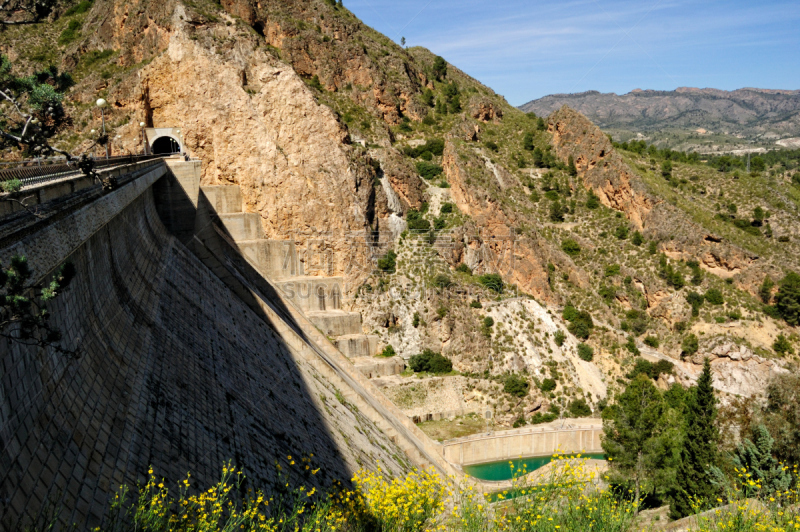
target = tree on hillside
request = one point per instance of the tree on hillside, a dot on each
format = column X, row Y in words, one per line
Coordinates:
column 765, row 292
column 571, row 168
column 631, row 427
column 787, row 300
column 694, row 481
column 33, row 112
column 439, row 68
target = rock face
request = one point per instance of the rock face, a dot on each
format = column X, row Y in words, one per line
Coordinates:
column 286, row 152
column 485, row 110
column 603, row 171
column 494, row 245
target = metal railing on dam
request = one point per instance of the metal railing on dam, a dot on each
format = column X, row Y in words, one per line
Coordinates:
column 525, row 442
column 36, row 172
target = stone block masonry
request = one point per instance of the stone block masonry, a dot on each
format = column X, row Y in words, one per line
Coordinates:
column 176, row 372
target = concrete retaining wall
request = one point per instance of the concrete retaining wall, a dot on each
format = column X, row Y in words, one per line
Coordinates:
column 527, row 442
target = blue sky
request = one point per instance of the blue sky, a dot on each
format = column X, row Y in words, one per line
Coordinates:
column 527, row 49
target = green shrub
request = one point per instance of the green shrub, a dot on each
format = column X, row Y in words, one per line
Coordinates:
column 621, row 232
column 557, row 211
column 581, row 323
column 652, row 341
column 548, row 385
column 79, row 9
column 442, row 281
column 645, row 367
column 630, row 345
column 388, row 263
column 439, row 223
column 475, row 304
column 585, row 352
column 492, row 281
column 491, row 145
column 745, row 226
column 612, row 270
column 447, row 208
column 430, row 362
column 442, row 311
column 592, row 201
column 416, row 320
column 70, row 33
column 637, row 239
column 690, row 345
column 579, row 408
column 488, row 322
column 552, row 195
column 559, row 337
column 516, row 385
column 714, row 296
column 527, row 142
column 428, row 170
column 463, row 268
column 432, row 146
column 416, row 222
column 315, row 84
column 387, row 352
column 570, row 247
column 11, row 185
column 538, row 418
column 782, row 346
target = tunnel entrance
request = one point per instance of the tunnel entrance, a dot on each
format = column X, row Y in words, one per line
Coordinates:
column 165, row 146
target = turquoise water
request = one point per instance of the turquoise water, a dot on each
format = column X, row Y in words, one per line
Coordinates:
column 496, row 471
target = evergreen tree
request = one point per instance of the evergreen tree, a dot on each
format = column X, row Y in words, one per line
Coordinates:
column 694, row 480
column 630, row 430
column 788, row 299
column 573, row 170
column 439, row 68
column 756, row 457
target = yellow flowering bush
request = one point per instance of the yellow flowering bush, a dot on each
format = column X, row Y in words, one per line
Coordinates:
column 750, row 510
column 570, row 498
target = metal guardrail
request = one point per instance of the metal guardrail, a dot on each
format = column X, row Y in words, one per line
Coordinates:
column 34, row 175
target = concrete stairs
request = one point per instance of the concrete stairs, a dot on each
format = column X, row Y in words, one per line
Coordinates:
column 319, row 298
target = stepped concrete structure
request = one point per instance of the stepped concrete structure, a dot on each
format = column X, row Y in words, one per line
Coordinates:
column 189, row 355
column 321, row 299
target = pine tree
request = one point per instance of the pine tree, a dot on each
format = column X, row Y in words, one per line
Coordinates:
column 694, row 479
column 573, row 170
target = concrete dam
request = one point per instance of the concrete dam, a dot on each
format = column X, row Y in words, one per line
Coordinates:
column 188, row 356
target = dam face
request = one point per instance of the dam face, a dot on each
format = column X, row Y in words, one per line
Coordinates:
column 175, row 371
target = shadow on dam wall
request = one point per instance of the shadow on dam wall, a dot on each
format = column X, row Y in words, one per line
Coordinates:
column 177, row 370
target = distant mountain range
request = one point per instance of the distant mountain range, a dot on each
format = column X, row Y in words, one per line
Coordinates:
column 689, row 117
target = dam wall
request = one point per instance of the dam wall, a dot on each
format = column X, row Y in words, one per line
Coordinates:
column 522, row 443
column 186, row 360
